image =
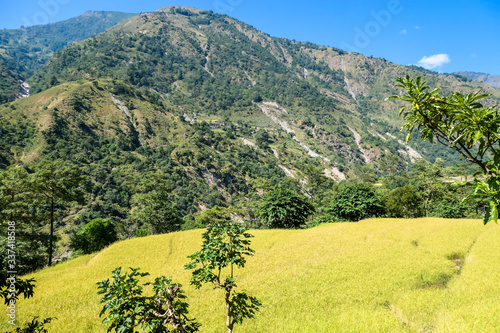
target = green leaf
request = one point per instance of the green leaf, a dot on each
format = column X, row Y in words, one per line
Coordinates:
column 494, row 212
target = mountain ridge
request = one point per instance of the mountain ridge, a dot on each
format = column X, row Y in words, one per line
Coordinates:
column 24, row 51
column 214, row 64
column 218, row 110
column 492, row 80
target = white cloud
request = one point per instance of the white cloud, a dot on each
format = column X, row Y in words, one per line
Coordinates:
column 473, row 55
column 417, row 27
column 434, row 61
column 403, row 32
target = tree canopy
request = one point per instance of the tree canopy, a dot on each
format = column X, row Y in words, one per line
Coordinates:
column 461, row 122
column 94, row 236
column 283, row 208
column 354, row 202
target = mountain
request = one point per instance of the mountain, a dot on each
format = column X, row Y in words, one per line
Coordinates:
column 211, row 111
column 492, row 80
column 126, row 137
column 26, row 50
column 221, row 69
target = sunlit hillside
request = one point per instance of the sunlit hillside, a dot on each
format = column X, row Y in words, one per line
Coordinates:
column 378, row 275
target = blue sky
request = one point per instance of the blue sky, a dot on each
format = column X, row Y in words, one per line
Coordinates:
column 442, row 35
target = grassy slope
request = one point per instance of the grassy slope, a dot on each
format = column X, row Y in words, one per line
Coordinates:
column 365, row 277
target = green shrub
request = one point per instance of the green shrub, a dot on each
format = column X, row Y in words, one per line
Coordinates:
column 141, row 233
column 355, row 202
column 96, row 235
column 283, row 208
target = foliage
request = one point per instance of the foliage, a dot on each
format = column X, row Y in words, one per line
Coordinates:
column 95, row 236
column 35, row 326
column 141, row 233
column 403, row 202
column 225, row 244
column 354, row 202
column 283, row 208
column 453, row 210
column 126, row 308
column 216, row 215
column 462, row 123
column 428, row 179
column 315, row 184
column 26, row 288
column 54, row 182
column 21, row 216
column 155, row 210
column 9, row 83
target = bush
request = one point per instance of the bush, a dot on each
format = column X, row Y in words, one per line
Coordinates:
column 126, row 309
column 355, row 202
column 95, row 236
column 450, row 210
column 283, row 208
column 403, row 202
column 141, row 233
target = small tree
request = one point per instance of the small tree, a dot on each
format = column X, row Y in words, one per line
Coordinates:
column 403, row 202
column 217, row 214
column 283, row 208
column 95, row 236
column 428, row 178
column 225, row 244
column 127, row 308
column 156, row 211
column 355, row 202
column 460, row 122
column 55, row 181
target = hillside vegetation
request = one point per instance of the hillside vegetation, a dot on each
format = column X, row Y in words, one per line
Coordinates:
column 205, row 110
column 25, row 51
column 211, row 65
column 378, row 275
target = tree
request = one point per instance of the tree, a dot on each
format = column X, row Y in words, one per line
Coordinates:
column 427, row 177
column 95, row 236
column 225, row 244
column 263, row 139
column 366, row 173
column 354, row 202
column 157, row 212
column 20, row 211
column 217, row 214
column 390, row 166
column 55, row 181
column 283, row 208
column 315, row 182
column 460, row 122
column 127, row 308
column 403, row 202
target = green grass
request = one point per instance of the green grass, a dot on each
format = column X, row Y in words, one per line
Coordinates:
column 378, row 275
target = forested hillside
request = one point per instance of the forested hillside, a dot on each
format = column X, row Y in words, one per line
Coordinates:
column 187, row 109
column 214, row 66
column 24, row 51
